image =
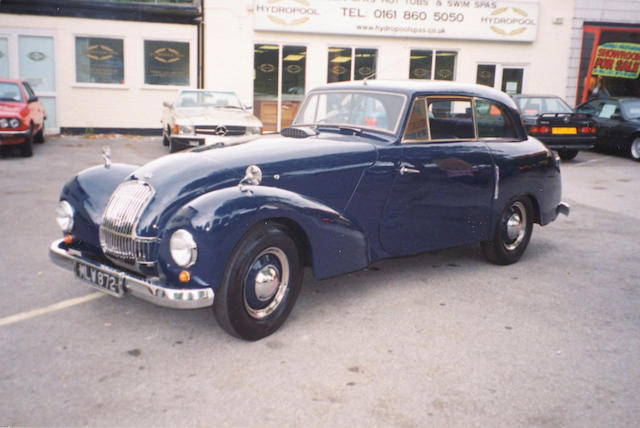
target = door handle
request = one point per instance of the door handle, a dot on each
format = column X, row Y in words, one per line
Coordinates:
column 404, row 170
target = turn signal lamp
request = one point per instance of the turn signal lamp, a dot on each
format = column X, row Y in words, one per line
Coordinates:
column 68, row 239
column 184, row 276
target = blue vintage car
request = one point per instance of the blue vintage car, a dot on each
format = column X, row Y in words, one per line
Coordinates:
column 368, row 170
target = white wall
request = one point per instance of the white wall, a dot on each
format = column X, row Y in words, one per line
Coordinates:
column 230, row 39
column 82, row 105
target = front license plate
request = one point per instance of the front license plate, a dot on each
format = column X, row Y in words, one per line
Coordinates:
column 100, row 279
column 564, row 131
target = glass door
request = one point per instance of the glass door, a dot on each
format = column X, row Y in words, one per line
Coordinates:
column 279, row 84
column 37, row 66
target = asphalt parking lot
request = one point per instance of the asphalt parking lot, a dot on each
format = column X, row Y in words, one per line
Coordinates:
column 441, row 339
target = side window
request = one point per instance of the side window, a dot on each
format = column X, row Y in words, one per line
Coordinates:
column 417, row 125
column 450, row 119
column 493, row 121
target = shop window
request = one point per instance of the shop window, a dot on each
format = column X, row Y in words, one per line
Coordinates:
column 279, row 84
column 166, row 63
column 351, row 64
column 486, row 75
column 510, row 78
column 493, row 121
column 423, row 66
column 99, row 60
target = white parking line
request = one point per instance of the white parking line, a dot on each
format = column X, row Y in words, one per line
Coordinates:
column 47, row 309
column 588, row 162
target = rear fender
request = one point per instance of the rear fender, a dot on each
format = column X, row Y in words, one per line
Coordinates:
column 219, row 219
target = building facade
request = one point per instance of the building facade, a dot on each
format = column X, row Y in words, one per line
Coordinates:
column 101, row 66
column 605, row 50
column 109, row 65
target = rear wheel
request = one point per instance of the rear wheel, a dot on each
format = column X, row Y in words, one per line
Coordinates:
column 261, row 283
column 512, row 234
column 634, row 149
column 26, row 148
column 567, row 154
column 165, row 138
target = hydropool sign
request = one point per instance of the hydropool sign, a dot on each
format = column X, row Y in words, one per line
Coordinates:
column 618, row 60
column 443, row 19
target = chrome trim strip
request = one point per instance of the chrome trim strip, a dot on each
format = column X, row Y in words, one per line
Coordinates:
column 150, row 291
column 496, row 190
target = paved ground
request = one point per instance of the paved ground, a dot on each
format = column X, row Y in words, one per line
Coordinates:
column 441, row 339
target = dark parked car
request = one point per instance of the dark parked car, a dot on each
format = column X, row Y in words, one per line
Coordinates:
column 618, row 123
column 366, row 171
column 22, row 116
column 550, row 119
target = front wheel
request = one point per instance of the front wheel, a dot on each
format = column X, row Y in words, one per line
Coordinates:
column 261, row 283
column 634, row 149
column 26, row 148
column 567, row 154
column 512, row 234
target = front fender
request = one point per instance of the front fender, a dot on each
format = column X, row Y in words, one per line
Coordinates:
column 89, row 192
column 220, row 218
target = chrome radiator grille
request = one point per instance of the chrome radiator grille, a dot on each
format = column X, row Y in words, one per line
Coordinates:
column 118, row 238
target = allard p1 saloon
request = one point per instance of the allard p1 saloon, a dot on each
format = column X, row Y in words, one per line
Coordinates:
column 368, row 170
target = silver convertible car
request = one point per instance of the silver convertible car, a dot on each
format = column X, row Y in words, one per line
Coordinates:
column 200, row 117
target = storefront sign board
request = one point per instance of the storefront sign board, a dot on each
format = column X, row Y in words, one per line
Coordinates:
column 505, row 21
column 617, row 60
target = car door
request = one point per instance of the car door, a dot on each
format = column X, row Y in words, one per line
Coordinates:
column 441, row 193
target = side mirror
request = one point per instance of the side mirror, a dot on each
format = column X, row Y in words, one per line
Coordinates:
column 167, row 104
column 616, row 116
column 248, row 108
column 32, row 99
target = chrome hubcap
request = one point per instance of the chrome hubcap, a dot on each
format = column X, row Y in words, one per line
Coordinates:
column 266, row 283
column 635, row 148
column 516, row 226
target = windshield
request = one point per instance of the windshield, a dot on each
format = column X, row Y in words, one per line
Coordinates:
column 631, row 109
column 540, row 105
column 10, row 92
column 362, row 109
column 209, row 99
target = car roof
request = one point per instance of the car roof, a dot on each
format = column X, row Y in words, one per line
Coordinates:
column 415, row 86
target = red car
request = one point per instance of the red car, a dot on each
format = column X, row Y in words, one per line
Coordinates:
column 21, row 116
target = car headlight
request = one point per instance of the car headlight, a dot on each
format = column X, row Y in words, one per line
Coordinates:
column 183, row 248
column 4, row 123
column 252, row 130
column 185, row 129
column 14, row 123
column 64, row 216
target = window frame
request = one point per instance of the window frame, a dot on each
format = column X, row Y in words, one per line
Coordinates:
column 174, row 86
column 122, row 85
column 432, row 66
column 352, row 67
column 476, row 137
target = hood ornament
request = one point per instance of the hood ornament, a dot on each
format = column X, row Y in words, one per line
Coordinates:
column 106, row 155
column 252, row 177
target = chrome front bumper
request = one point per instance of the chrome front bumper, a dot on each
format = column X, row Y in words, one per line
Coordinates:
column 188, row 298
